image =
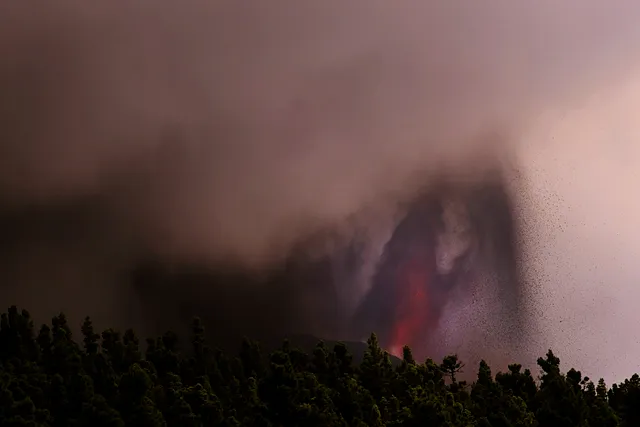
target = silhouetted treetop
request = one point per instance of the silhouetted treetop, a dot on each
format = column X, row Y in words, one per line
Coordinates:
column 107, row 379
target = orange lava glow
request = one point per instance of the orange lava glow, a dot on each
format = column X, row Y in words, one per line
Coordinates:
column 413, row 310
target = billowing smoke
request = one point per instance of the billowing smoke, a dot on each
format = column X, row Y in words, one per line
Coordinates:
column 450, row 245
column 271, row 152
column 453, row 246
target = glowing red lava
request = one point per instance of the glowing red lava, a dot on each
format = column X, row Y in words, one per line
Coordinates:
column 412, row 312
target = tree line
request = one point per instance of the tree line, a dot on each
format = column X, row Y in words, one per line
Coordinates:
column 110, row 379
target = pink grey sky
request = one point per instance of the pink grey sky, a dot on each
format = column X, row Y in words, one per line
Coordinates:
column 314, row 111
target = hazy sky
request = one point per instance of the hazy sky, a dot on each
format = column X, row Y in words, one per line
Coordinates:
column 227, row 128
column 583, row 166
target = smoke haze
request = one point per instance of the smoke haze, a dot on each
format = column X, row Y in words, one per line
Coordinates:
column 223, row 131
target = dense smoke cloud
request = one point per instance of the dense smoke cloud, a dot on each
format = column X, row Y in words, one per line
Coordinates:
column 203, row 132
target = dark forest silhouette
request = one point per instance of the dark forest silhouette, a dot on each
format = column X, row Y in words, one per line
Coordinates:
column 49, row 379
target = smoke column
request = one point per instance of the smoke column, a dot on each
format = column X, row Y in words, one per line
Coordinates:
column 455, row 244
column 222, row 136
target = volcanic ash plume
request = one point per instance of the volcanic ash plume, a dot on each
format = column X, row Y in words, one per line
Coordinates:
column 437, row 258
column 452, row 246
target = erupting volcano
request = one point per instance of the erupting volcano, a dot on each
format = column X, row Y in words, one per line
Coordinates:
column 442, row 247
column 437, row 254
column 412, row 313
column 402, row 301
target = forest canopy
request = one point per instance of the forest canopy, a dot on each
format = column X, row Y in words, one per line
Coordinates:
column 50, row 378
